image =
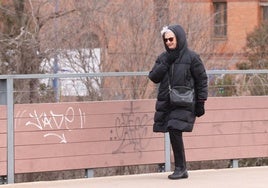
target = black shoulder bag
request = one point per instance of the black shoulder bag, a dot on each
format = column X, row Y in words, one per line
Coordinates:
column 180, row 95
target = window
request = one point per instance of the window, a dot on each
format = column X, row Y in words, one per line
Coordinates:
column 264, row 11
column 220, row 19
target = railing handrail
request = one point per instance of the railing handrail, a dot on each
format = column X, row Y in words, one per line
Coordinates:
column 115, row 74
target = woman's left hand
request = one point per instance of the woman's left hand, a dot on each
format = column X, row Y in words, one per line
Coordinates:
column 200, row 109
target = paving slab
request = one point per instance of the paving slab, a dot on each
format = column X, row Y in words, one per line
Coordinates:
column 252, row 177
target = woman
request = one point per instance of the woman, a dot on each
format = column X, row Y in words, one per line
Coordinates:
column 178, row 66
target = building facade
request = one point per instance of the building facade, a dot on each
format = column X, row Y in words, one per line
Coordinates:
column 227, row 24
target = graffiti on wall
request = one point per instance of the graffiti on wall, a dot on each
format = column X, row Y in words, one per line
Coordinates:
column 51, row 121
column 132, row 130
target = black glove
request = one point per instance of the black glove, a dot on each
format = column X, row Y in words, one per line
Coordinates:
column 199, row 108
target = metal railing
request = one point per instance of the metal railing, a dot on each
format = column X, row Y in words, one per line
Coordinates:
column 7, row 92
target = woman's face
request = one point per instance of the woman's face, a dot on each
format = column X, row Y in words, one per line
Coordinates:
column 170, row 40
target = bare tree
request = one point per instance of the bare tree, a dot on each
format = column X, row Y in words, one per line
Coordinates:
column 18, row 45
column 20, row 49
column 81, row 42
column 256, row 50
column 126, row 37
column 126, row 33
column 136, row 46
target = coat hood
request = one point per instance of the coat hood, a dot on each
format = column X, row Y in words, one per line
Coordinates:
column 180, row 36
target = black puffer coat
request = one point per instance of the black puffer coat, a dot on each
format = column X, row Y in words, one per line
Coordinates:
column 188, row 70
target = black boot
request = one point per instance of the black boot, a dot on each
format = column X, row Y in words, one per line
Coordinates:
column 178, row 174
column 179, row 155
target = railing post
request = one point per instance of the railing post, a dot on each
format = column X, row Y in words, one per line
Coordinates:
column 10, row 132
column 235, row 163
column 89, row 173
column 167, row 153
column 3, row 101
column 3, row 91
column 6, row 98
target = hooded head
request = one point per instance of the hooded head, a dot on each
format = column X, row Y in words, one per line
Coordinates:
column 180, row 37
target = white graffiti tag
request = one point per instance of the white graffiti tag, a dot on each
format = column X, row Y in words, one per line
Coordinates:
column 61, row 137
column 57, row 121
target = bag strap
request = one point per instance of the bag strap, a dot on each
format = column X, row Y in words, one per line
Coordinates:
column 169, row 83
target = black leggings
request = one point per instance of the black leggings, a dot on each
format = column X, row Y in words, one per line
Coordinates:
column 178, row 148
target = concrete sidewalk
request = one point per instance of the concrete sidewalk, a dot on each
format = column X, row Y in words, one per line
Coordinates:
column 253, row 177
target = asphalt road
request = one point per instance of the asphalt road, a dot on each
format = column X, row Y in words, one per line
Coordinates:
column 253, row 177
